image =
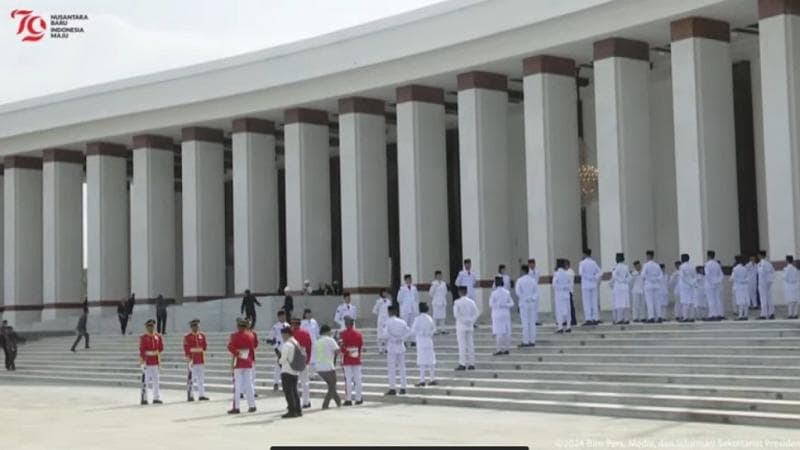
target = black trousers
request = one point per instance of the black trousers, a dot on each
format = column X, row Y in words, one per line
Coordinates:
column 573, row 319
column 330, row 379
column 251, row 316
column 81, row 335
column 123, row 324
column 161, row 322
column 11, row 355
column 289, row 383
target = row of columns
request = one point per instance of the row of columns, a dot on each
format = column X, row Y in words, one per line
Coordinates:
column 41, row 199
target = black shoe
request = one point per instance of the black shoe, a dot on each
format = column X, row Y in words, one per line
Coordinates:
column 461, row 368
column 772, row 317
column 144, row 402
column 275, row 387
column 203, row 399
column 420, row 384
column 433, row 383
column 497, row 353
column 307, row 405
column 523, row 345
column 359, row 402
column 470, row 367
column 233, row 411
column 252, row 409
column 72, row 349
column 402, row 392
column 761, row 318
column 241, row 396
column 559, row 332
column 87, row 347
column 391, row 392
column 538, row 324
column 157, row 402
column 347, row 403
column 255, row 394
column 587, row 323
column 568, row 330
column 190, row 399
column 288, row 415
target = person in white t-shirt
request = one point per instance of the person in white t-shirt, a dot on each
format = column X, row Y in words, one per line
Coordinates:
column 323, row 358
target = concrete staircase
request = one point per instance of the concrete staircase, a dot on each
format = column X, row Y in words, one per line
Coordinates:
column 725, row 372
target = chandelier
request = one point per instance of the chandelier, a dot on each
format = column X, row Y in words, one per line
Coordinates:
column 587, row 174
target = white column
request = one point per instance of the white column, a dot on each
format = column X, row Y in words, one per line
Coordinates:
column 62, row 240
column 202, row 173
column 23, row 240
column 483, row 161
column 779, row 40
column 308, row 197
column 422, row 179
column 624, row 155
column 365, row 217
column 107, row 212
column 705, row 151
column 255, row 207
column 153, row 218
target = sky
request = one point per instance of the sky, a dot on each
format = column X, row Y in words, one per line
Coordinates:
column 128, row 38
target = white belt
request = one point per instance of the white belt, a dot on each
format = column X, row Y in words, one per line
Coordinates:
column 151, row 353
column 244, row 353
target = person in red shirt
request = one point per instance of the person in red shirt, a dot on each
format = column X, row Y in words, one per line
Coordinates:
column 255, row 345
column 195, row 344
column 241, row 347
column 151, row 345
column 304, row 339
column 351, row 343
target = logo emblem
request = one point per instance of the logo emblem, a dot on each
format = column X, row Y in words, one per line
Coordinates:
column 31, row 27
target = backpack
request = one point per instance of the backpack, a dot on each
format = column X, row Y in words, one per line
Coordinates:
column 298, row 362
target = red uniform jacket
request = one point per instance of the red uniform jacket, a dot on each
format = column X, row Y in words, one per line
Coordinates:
column 352, row 342
column 304, row 339
column 242, row 347
column 194, row 347
column 150, row 348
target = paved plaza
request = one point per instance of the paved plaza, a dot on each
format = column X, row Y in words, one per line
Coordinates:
column 72, row 417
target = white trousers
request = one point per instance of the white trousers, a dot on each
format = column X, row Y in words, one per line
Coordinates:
column 253, row 377
column 767, row 307
column 652, row 303
column 276, row 374
column 352, row 382
column 563, row 315
column 199, row 379
column 243, row 384
column 591, row 311
column 503, row 342
column 152, row 379
column 466, row 347
column 529, row 314
column 637, row 303
column 431, row 369
column 714, row 302
column 752, row 290
column 396, row 362
column 305, row 385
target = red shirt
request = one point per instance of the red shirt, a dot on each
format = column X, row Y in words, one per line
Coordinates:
column 304, row 339
column 150, row 348
column 352, row 343
column 194, row 347
column 255, row 345
column 242, row 347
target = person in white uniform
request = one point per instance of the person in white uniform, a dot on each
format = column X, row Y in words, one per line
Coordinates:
column 700, row 303
column 687, row 280
column 652, row 281
column 766, row 275
column 438, row 294
column 276, row 339
column 590, row 274
column 466, row 313
column 639, row 311
column 752, row 280
column 527, row 289
column 563, row 283
column 381, row 310
column 501, row 303
column 395, row 332
column 346, row 309
column 740, row 288
column 713, row 287
column 310, row 325
column 791, row 287
column 501, row 272
column 620, row 287
column 423, row 330
column 466, row 278
column 408, row 299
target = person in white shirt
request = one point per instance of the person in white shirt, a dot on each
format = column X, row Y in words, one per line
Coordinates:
column 423, row 330
column 466, row 278
column 276, row 339
column 639, row 311
column 466, row 313
column 620, row 286
column 438, row 294
column 307, row 287
column 563, row 283
column 791, row 288
column 741, row 295
column 651, row 278
column 408, row 299
column 752, row 281
column 712, row 284
column 700, row 301
column 395, row 332
column 381, row 309
column 687, row 280
column 590, row 274
column 346, row 309
column 527, row 289
column 766, row 275
column 310, row 325
column 323, row 358
column 501, row 303
column 501, row 272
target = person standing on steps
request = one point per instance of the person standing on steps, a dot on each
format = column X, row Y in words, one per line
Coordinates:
column 466, row 314
column 766, row 275
column 161, row 314
column 438, row 294
column 687, row 280
column 276, row 339
column 130, row 304
column 122, row 315
column 241, row 347
column 396, row 331
column 408, row 299
column 423, row 330
column 501, row 303
column 620, row 286
column 590, row 274
column 651, row 277
column 346, row 309
column 638, row 310
column 248, row 309
column 752, row 281
column 151, row 346
column 528, row 296
column 741, row 294
column 195, row 344
column 324, row 360
column 381, row 310
column 712, row 284
column 791, row 287
column 563, row 283
column 352, row 344
column 466, row 278
column 81, row 329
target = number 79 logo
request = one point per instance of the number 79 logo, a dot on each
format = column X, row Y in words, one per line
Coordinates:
column 31, row 27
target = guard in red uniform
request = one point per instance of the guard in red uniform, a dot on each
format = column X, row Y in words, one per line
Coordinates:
column 242, row 347
column 304, row 339
column 352, row 344
column 195, row 344
column 151, row 345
